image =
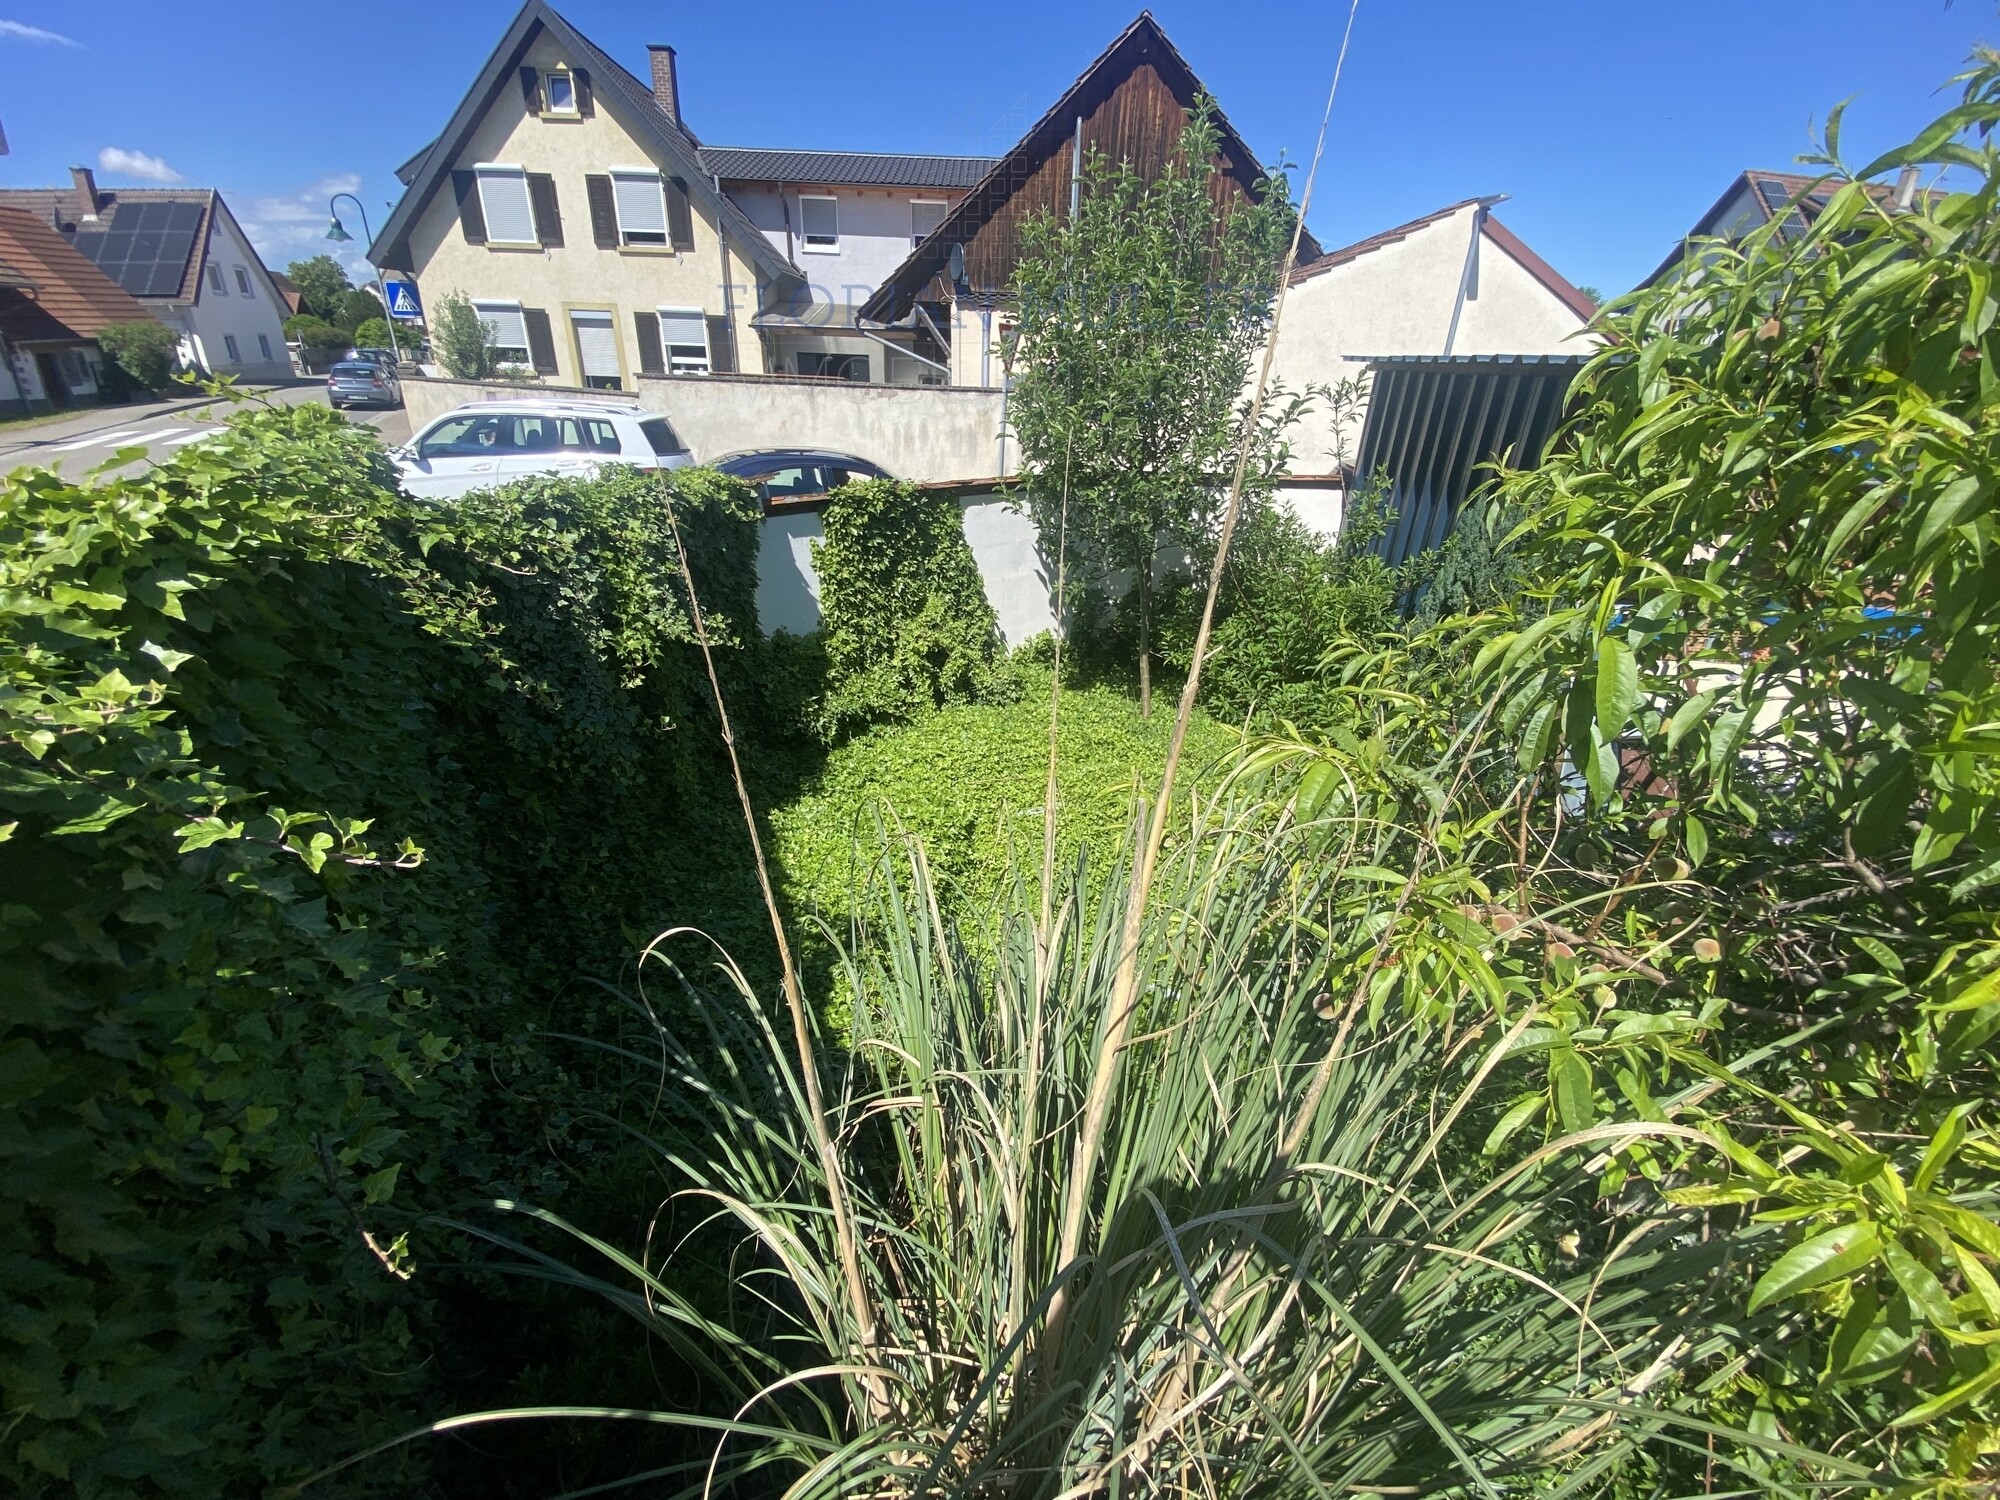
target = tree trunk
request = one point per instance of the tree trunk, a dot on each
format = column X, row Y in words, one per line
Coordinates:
column 1146, row 639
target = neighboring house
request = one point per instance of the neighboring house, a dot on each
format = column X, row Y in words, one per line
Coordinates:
column 182, row 254
column 288, row 293
column 53, row 304
column 568, row 201
column 1754, row 198
column 847, row 219
column 601, row 241
column 1456, row 282
column 1131, row 104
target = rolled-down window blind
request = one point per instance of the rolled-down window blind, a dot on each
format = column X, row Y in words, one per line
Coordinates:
column 641, row 208
column 510, row 216
column 504, row 321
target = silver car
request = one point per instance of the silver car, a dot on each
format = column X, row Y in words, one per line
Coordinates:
column 494, row 442
column 363, row 382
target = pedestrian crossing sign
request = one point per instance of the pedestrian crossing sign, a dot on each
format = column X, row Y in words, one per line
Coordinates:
column 403, row 301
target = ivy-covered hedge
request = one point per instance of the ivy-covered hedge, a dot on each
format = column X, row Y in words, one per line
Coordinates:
column 311, row 798
column 904, row 617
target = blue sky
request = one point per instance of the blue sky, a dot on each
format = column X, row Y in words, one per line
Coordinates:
column 1612, row 123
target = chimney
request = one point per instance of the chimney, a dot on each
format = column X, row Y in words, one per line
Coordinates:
column 86, row 191
column 666, row 82
column 1906, row 188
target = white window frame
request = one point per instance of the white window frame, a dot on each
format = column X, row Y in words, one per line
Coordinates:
column 495, row 172
column 830, row 244
column 942, row 205
column 685, row 364
column 549, row 105
column 635, row 175
column 235, row 354
column 505, row 305
column 264, row 343
column 243, row 280
column 216, row 283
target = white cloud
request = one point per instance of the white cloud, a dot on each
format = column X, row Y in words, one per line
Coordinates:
column 21, row 31
column 122, row 163
column 292, row 226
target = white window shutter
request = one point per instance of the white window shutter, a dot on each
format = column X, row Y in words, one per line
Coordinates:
column 597, row 342
column 503, row 195
column 504, row 321
column 641, row 208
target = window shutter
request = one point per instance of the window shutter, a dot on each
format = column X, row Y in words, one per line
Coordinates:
column 680, row 220
column 721, row 345
column 471, row 217
column 582, row 92
column 541, row 340
column 646, row 327
column 548, row 214
column 531, row 90
column 603, row 212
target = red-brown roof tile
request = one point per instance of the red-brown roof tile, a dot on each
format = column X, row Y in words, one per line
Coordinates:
column 68, row 299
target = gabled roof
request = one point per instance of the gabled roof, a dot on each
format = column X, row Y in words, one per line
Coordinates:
column 830, row 168
column 1142, row 42
column 66, row 297
column 611, row 87
column 1552, row 280
column 179, row 219
column 1771, row 194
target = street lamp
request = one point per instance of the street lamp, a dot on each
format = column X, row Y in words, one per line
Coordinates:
column 341, row 237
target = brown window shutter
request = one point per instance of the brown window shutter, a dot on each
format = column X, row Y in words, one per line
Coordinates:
column 548, row 214
column 541, row 340
column 531, row 90
column 721, row 346
column 680, row 218
column 583, row 106
column 471, row 217
column 603, row 212
column 646, row 326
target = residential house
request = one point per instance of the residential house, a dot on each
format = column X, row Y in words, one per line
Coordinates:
column 53, row 304
column 182, row 254
column 847, row 219
column 956, row 285
column 600, row 240
column 1754, row 198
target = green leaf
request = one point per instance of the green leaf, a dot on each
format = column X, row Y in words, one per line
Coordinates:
column 1314, row 788
column 1944, row 1145
column 1969, row 1390
column 1696, row 838
column 1926, row 1294
column 377, row 1186
column 108, row 811
column 1617, row 686
column 1688, row 715
column 1831, row 1256
column 1569, row 1078
column 1520, row 1113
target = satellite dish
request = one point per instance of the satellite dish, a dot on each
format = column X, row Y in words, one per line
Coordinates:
column 958, row 265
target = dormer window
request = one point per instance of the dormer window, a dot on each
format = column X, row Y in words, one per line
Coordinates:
column 560, row 91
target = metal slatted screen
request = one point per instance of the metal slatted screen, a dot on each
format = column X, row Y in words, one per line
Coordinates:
column 1435, row 424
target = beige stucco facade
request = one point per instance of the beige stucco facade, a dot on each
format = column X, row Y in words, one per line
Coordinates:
column 579, row 275
column 1399, row 298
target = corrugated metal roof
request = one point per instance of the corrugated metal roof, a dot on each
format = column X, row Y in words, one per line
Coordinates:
column 860, row 168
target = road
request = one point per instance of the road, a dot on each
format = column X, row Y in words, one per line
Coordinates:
column 77, row 444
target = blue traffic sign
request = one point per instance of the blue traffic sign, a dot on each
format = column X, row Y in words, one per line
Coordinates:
column 403, row 302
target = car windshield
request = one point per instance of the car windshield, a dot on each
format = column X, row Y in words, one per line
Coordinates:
column 357, row 367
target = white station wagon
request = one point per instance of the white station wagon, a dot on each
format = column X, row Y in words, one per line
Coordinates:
column 494, row 442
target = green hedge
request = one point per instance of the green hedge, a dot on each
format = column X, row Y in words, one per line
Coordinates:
column 319, row 806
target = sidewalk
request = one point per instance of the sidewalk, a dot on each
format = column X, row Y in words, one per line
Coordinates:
column 63, row 426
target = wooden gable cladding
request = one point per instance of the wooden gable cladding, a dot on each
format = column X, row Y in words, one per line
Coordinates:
column 1134, row 102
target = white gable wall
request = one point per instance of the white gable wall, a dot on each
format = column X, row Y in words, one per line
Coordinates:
column 1398, row 299
column 217, row 316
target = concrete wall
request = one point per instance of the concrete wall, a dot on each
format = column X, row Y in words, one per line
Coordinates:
column 217, row 314
column 628, row 280
column 1398, row 300
column 1003, row 545
column 928, row 433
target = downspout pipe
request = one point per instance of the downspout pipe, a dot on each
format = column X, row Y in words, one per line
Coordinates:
column 1468, row 276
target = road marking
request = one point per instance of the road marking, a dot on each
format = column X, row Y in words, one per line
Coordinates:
column 188, row 437
column 92, row 442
